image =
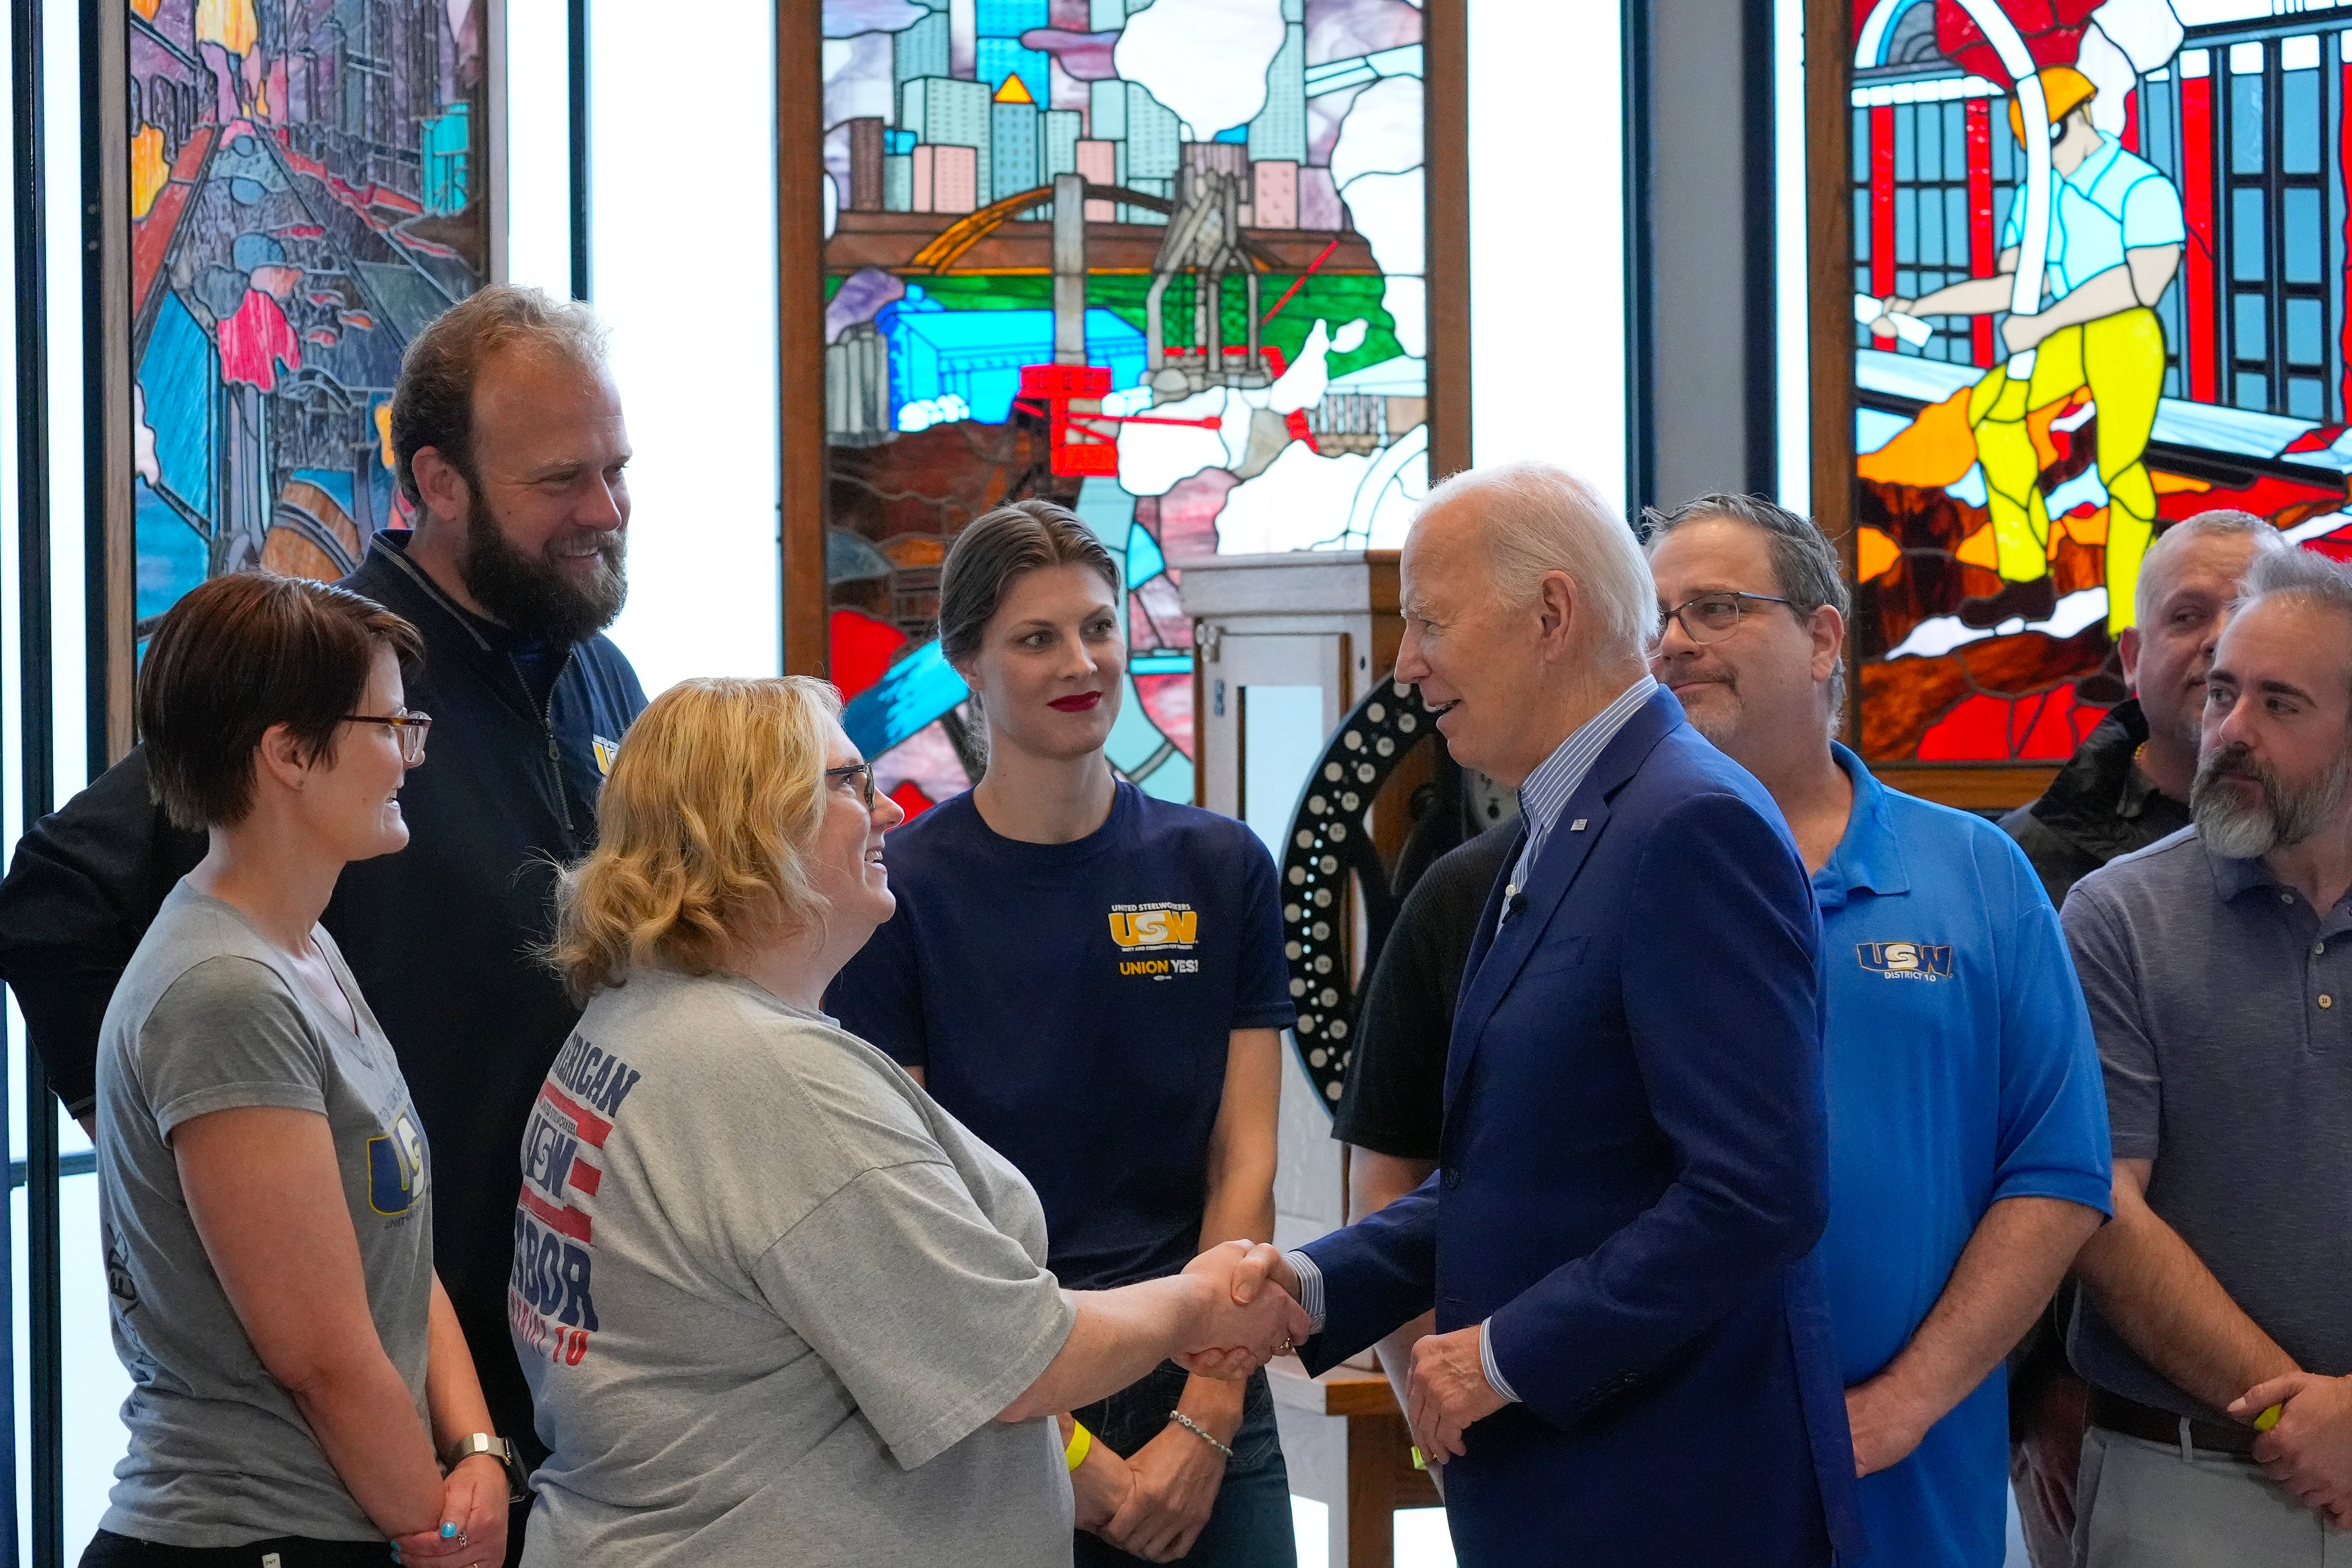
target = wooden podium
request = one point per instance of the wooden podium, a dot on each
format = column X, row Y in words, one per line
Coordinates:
column 1347, row 1446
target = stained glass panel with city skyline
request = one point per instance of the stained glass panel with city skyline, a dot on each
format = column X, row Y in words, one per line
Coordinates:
column 1159, row 260
column 306, row 193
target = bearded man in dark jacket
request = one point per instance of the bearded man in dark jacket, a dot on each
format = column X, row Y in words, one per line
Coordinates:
column 507, row 438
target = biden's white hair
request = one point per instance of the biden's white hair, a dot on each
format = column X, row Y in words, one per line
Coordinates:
column 1536, row 518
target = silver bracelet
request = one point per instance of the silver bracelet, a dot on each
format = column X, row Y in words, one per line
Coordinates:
column 1199, row 1431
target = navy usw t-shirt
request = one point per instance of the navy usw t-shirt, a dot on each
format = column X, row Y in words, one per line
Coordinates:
column 1072, row 1004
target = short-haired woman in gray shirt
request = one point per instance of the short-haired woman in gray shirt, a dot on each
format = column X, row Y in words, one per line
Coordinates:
column 265, row 1191
column 774, row 1304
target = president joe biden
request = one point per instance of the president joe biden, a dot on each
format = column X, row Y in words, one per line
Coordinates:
column 1632, row 1361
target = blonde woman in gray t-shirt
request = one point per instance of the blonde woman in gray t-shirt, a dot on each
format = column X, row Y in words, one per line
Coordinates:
column 265, row 1191
column 774, row 1304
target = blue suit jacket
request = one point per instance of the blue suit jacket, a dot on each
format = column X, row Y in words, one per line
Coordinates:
column 1632, row 1177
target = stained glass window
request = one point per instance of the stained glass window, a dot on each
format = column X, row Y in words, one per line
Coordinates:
column 307, row 191
column 2002, row 497
column 1158, row 260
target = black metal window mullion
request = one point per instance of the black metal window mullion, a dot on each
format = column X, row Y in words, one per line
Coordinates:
column 576, row 80
column 37, row 758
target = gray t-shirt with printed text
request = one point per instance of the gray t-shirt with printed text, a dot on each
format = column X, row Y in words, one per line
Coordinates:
column 770, row 1299
column 209, row 1017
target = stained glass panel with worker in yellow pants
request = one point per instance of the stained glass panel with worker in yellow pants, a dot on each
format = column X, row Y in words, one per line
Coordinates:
column 2115, row 242
column 2120, row 358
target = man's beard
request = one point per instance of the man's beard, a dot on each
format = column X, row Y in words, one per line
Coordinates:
column 536, row 597
column 2285, row 815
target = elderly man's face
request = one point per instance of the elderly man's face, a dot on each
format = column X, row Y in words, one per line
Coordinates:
column 1476, row 652
column 2278, row 729
column 1749, row 687
column 2189, row 585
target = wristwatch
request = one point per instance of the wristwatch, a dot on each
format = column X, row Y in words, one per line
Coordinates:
column 497, row 1448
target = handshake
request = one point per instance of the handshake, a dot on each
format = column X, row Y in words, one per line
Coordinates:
column 1227, row 1314
column 1246, row 1312
column 1249, row 1325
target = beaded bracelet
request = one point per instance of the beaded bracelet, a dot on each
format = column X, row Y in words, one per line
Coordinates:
column 1199, row 1431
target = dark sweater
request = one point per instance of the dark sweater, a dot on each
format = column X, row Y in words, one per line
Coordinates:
column 2099, row 806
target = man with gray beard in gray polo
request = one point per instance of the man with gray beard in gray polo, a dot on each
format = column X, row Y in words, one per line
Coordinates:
column 2214, row 1329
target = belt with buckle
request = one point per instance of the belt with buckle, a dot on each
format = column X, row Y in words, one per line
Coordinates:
column 2133, row 1419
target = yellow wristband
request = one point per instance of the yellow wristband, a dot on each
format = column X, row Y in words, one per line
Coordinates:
column 1081, row 1444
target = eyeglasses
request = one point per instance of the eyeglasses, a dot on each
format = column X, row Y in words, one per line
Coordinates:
column 1710, row 618
column 859, row 775
column 410, row 727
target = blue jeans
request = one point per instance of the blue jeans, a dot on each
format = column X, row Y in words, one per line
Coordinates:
column 1250, row 1527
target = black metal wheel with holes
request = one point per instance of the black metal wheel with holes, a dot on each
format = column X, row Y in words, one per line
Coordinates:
column 1328, row 842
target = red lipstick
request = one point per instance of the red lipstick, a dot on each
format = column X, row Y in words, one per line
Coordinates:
column 1082, row 702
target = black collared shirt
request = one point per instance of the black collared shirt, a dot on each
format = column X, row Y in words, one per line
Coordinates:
column 1395, row 1098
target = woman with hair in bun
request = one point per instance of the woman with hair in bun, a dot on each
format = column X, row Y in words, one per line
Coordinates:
column 1092, row 980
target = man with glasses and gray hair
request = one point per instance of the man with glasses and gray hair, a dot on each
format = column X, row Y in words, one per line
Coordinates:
column 2218, row 966
column 1967, row 1149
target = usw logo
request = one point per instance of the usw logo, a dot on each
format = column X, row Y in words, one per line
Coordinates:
column 1161, row 925
column 395, row 1168
column 1906, row 960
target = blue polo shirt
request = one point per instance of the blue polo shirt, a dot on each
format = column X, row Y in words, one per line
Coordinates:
column 1960, row 1071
